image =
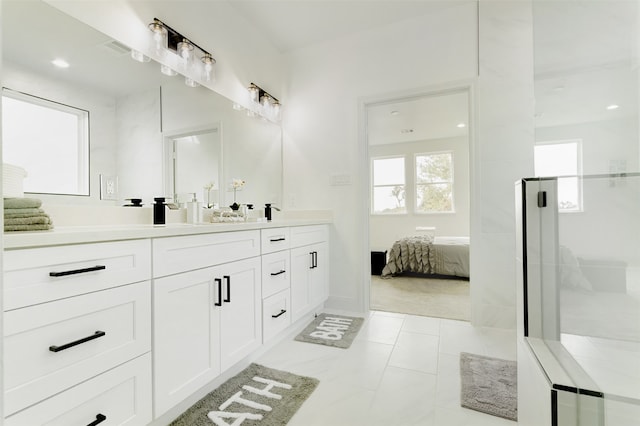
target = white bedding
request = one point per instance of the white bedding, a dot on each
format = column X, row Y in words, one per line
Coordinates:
column 426, row 255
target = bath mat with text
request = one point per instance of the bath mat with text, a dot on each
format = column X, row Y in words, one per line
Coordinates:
column 331, row 330
column 259, row 395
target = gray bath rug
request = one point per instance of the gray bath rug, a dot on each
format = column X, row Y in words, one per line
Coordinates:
column 489, row 385
column 331, row 330
column 258, row 396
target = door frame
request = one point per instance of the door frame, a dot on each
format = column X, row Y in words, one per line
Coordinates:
column 466, row 86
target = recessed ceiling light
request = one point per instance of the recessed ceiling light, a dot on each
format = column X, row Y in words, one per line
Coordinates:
column 461, row 125
column 60, row 63
column 406, row 131
column 394, row 112
column 612, row 107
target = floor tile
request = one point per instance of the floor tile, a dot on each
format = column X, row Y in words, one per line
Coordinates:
column 415, row 351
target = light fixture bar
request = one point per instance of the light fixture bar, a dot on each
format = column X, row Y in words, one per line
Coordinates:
column 174, row 38
column 262, row 93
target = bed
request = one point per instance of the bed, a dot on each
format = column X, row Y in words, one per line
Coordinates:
column 429, row 255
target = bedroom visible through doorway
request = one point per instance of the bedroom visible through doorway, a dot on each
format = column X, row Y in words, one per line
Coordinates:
column 419, row 219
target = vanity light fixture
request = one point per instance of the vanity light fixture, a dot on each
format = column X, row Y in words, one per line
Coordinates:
column 269, row 105
column 166, row 39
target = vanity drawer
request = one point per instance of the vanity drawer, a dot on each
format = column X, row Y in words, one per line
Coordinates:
column 275, row 272
column 305, row 235
column 53, row 346
column 274, row 239
column 121, row 395
column 44, row 274
column 276, row 315
column 172, row 255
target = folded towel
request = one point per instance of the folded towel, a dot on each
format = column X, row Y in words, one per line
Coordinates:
column 9, row 213
column 40, row 227
column 21, row 203
column 33, row 220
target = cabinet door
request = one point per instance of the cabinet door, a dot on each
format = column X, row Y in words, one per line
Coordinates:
column 302, row 262
column 186, row 335
column 319, row 285
column 241, row 310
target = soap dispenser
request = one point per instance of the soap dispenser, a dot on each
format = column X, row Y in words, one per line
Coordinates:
column 158, row 211
column 267, row 211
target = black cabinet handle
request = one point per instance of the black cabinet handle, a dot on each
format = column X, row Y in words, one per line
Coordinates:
column 99, row 419
column 273, row 274
column 77, row 271
column 228, row 298
column 219, row 302
column 315, row 259
column 312, row 266
column 282, row 312
column 275, row 240
column 77, row 342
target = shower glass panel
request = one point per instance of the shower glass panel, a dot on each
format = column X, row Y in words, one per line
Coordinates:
column 583, row 294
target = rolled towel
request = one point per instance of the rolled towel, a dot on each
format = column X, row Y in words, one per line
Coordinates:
column 22, row 203
column 33, row 220
column 41, row 227
column 11, row 213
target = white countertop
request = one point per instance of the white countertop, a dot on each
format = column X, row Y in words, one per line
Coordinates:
column 101, row 233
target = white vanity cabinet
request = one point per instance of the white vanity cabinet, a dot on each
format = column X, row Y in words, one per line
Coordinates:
column 77, row 314
column 309, row 268
column 276, row 281
column 207, row 319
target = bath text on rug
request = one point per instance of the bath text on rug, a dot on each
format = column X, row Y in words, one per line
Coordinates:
column 218, row 417
column 331, row 328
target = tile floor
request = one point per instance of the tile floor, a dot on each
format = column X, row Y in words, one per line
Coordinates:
column 401, row 370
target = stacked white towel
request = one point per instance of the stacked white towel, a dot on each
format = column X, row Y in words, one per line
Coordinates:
column 25, row 214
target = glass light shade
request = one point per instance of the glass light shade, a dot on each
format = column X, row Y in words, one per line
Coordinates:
column 139, row 56
column 159, row 35
column 253, row 93
column 208, row 62
column 277, row 110
column 167, row 70
column 190, row 82
column 184, row 50
column 266, row 101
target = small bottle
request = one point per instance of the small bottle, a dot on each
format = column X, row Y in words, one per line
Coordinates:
column 192, row 209
column 158, row 211
column 267, row 211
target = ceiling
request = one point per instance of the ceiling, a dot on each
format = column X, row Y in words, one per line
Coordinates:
column 293, row 24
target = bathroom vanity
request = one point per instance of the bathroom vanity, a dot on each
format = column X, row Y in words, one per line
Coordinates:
column 127, row 322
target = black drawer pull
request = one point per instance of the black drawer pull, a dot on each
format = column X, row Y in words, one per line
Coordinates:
column 228, row 278
column 99, row 419
column 275, row 240
column 77, row 342
column 282, row 312
column 77, row 271
column 219, row 302
column 273, row 274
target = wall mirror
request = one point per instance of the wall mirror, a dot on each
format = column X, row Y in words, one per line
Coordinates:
column 132, row 108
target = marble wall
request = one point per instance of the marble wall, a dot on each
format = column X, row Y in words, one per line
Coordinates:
column 503, row 154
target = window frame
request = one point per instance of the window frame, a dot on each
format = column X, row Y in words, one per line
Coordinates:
column 578, row 176
column 374, row 186
column 83, row 177
column 417, row 183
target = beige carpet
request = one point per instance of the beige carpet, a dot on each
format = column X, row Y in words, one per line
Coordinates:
column 431, row 297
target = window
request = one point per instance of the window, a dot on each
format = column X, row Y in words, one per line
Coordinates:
column 434, row 182
column 561, row 158
column 49, row 140
column 388, row 179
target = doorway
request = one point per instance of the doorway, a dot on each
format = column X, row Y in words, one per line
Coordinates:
column 418, row 154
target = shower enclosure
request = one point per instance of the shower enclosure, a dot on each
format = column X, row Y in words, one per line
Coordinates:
column 579, row 301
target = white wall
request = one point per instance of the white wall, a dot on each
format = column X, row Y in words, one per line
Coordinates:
column 503, row 154
column 385, row 229
column 325, row 85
